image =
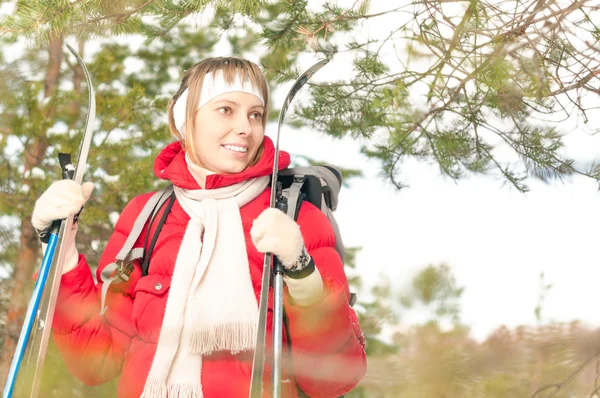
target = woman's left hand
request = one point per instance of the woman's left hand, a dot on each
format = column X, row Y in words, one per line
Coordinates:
column 274, row 232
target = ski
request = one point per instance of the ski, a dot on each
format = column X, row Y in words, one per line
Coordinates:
column 45, row 313
column 258, row 362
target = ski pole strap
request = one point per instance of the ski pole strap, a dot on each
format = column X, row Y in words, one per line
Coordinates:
column 44, row 235
column 120, row 270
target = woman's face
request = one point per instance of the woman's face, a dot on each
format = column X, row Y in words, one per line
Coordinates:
column 228, row 132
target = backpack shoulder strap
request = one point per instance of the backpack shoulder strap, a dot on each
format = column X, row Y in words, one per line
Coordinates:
column 149, row 249
column 294, row 196
column 119, row 270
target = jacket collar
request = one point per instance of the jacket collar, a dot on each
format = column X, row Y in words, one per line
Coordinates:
column 170, row 164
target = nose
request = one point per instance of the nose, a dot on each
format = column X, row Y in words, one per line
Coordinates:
column 243, row 127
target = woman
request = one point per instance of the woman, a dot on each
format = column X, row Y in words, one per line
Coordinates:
column 188, row 328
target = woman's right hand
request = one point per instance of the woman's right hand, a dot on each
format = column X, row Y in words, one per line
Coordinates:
column 62, row 199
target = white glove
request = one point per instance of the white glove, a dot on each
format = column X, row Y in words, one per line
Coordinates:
column 274, row 232
column 62, row 199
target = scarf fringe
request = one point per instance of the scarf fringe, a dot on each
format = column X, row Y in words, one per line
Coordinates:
column 154, row 388
column 179, row 390
column 233, row 337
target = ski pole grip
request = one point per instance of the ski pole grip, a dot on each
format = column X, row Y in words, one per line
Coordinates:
column 68, row 172
column 282, row 205
column 66, row 165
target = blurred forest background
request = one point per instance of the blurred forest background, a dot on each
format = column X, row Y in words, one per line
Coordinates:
column 471, row 81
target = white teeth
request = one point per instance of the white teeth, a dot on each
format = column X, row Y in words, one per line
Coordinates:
column 235, row 148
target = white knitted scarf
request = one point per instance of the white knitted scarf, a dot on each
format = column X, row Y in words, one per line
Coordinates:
column 211, row 305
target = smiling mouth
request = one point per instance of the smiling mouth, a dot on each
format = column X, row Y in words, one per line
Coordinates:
column 235, row 148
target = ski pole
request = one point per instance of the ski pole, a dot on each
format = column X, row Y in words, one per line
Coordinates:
column 278, row 271
column 40, row 340
column 30, row 315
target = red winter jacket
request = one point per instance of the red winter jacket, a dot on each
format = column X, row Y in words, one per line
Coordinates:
column 328, row 358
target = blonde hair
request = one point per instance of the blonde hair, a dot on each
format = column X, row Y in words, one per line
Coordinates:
column 193, row 79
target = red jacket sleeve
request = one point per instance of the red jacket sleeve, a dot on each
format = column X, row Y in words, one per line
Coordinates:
column 327, row 347
column 93, row 346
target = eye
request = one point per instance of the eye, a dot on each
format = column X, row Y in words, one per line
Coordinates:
column 256, row 115
column 225, row 110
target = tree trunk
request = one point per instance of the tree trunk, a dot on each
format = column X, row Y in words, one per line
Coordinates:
column 78, row 77
column 29, row 245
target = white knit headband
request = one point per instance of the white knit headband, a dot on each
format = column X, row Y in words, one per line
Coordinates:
column 214, row 84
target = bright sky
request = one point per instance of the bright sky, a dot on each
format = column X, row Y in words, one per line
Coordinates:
column 496, row 240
